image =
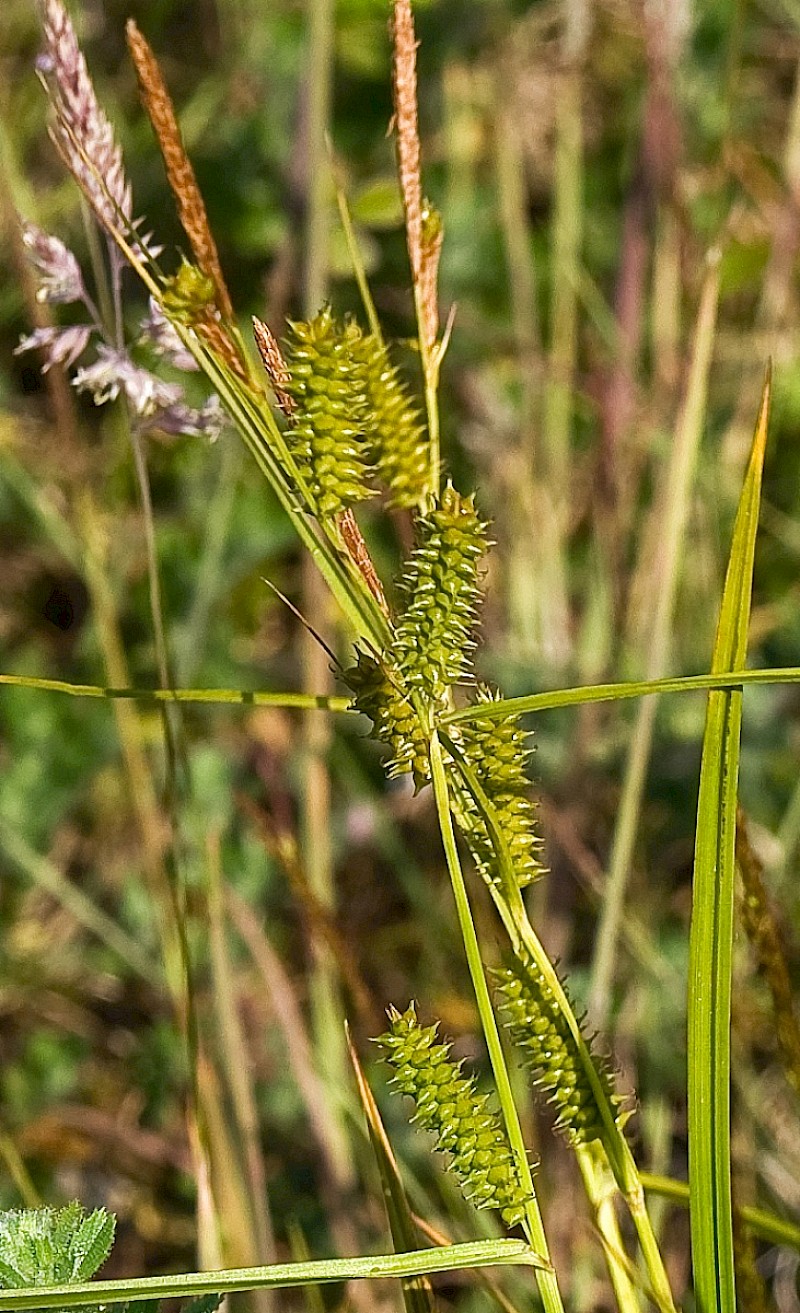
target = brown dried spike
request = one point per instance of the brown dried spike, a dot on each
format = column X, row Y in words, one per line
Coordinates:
column 180, row 174
column 353, row 540
column 404, row 70
column 275, row 365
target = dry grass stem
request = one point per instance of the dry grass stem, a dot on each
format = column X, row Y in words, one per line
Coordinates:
column 180, row 174
column 274, row 364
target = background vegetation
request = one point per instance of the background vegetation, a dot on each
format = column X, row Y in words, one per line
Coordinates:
column 600, row 389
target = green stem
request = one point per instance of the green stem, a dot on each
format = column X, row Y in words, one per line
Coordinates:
column 547, row 1282
column 358, row 265
column 479, row 1253
column 601, row 1192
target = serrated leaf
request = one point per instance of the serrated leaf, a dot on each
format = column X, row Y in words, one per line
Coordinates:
column 91, row 1244
column 203, row 1304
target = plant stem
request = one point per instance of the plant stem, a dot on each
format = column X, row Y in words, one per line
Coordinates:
column 547, row 1282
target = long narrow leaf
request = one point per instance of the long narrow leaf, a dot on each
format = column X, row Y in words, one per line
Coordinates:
column 526, row 703
column 478, row 1253
column 711, row 940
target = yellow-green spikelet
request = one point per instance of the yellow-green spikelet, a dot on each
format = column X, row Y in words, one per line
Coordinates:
column 327, row 432
column 549, row 1051
column 399, row 442
column 433, row 644
column 495, row 749
column 188, row 294
column 395, row 722
column 466, row 1125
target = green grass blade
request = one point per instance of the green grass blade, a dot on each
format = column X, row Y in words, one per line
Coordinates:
column 574, row 697
column 711, row 939
column 277, row 1276
column 213, row 696
column 775, row 1230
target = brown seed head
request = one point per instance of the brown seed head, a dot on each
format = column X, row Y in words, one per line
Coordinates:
column 180, row 174
column 274, row 364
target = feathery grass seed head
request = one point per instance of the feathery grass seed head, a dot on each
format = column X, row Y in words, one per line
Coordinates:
column 464, row 1122
column 81, row 131
column 433, row 637
column 549, row 1051
column 327, row 435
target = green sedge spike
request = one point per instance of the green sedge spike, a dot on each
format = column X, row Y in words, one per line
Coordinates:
column 327, row 435
column 188, row 295
column 433, row 637
column 466, row 1125
column 395, row 722
column 399, row 441
column 539, row 1030
column 496, row 752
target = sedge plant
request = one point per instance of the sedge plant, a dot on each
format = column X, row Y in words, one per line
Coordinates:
column 330, row 423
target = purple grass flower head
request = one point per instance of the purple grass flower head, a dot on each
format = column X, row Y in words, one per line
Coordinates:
column 180, row 420
column 81, row 130
column 61, row 346
column 162, row 337
column 60, row 280
column 114, row 373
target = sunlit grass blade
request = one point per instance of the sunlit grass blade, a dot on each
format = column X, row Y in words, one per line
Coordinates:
column 213, row 696
column 497, row 710
column 775, row 1230
column 550, row 700
column 711, row 939
column 278, row 1276
column 417, row 1292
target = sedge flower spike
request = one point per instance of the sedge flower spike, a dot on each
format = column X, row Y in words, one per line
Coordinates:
column 433, row 642
column 329, row 415
column 495, row 749
column 395, row 722
column 465, row 1123
column 549, row 1050
column 398, row 441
